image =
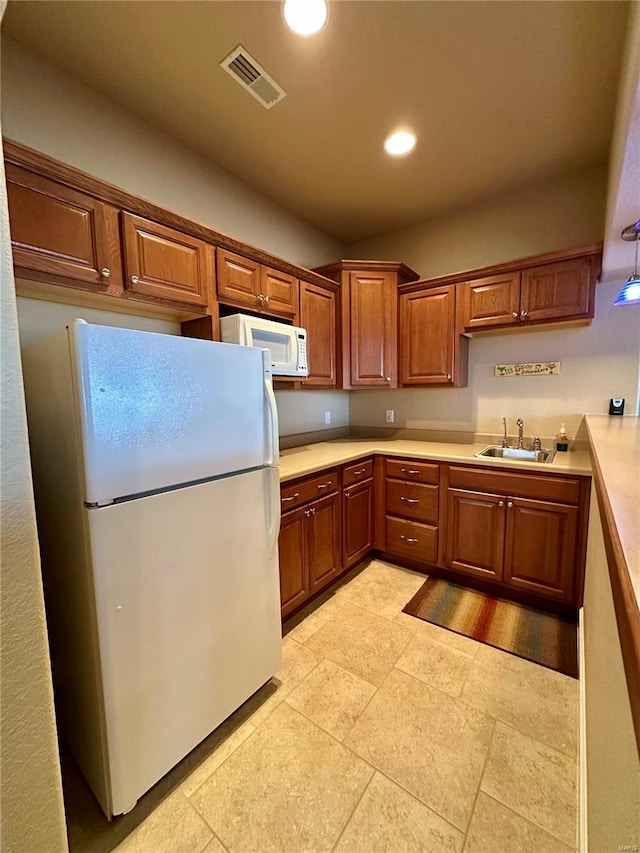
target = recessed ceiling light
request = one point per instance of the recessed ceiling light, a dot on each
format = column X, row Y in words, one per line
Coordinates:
column 400, row 143
column 305, row 17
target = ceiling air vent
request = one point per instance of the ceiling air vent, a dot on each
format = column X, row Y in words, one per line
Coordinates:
column 246, row 71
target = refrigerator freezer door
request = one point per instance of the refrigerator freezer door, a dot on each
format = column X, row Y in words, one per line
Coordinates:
column 160, row 410
column 188, row 612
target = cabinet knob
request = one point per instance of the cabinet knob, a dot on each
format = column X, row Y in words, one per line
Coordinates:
column 387, row 379
column 523, row 314
column 134, row 279
column 509, row 504
column 347, row 494
column 514, row 314
column 105, row 273
column 309, row 512
column 500, row 503
column 448, row 377
column 267, row 298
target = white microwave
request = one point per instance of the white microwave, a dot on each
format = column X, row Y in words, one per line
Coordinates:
column 287, row 344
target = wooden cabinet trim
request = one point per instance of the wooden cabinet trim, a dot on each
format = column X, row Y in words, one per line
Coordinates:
column 525, row 485
column 74, row 178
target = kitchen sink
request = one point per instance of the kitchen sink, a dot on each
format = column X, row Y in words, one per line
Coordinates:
column 494, row 451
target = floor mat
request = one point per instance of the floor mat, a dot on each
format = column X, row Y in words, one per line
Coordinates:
column 523, row 631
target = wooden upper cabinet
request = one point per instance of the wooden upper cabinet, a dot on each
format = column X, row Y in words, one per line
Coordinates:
column 62, row 235
column 561, row 289
column 319, row 316
column 166, row 264
column 248, row 284
column 553, row 291
column 430, row 346
column 373, row 328
column 369, row 320
column 238, row 278
column 490, row 301
column 540, row 551
column 280, row 291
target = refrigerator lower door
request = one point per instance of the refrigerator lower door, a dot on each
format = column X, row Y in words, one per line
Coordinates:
column 188, row 613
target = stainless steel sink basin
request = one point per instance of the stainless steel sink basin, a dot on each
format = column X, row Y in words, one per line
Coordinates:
column 494, row 451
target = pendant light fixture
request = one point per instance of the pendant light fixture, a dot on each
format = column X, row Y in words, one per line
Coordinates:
column 630, row 293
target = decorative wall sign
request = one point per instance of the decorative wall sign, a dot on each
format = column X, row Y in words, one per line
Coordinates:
column 532, row 368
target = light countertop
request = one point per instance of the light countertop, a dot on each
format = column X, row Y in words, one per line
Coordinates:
column 615, row 443
column 298, row 461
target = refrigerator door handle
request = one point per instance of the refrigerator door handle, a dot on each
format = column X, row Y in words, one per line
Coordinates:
column 272, row 414
column 273, row 510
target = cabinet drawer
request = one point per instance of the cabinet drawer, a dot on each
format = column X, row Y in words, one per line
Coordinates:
column 407, row 469
column 307, row 490
column 417, row 541
column 358, row 472
column 510, row 483
column 412, row 500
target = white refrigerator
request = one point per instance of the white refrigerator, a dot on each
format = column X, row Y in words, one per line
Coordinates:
column 157, row 492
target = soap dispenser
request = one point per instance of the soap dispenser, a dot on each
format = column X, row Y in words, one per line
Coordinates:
column 562, row 439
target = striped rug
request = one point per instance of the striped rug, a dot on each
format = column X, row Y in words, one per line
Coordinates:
column 532, row 634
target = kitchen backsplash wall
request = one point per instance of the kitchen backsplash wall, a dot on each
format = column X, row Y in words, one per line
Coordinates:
column 597, row 362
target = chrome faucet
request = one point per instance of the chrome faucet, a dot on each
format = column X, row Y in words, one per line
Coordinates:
column 504, row 440
column 520, row 424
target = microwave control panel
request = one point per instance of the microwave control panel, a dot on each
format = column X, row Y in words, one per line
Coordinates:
column 302, row 352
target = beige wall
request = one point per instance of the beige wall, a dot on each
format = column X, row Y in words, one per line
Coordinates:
column 558, row 214
column 612, row 764
column 32, row 813
column 597, row 363
column 50, row 111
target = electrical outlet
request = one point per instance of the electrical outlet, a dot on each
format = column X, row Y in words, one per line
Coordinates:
column 390, row 416
column 327, row 417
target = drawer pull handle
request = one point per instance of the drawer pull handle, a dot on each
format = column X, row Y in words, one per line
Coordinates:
column 409, row 540
column 359, row 471
column 324, row 485
column 292, row 498
column 410, row 500
column 412, row 471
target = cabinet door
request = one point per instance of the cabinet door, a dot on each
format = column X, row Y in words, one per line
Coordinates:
column 322, row 520
column 554, row 291
column 294, row 572
column 58, row 233
column 427, row 329
column 165, row 263
column 373, row 327
column 540, row 551
column 280, row 291
column 357, row 522
column 318, row 315
column 238, row 279
column 475, row 533
column 490, row 301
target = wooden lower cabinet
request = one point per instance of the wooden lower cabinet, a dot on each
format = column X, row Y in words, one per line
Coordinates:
column 322, row 522
column 357, row 522
column 540, row 547
column 309, row 544
column 294, row 570
column 475, row 533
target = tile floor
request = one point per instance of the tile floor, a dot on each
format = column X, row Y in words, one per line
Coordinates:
column 386, row 733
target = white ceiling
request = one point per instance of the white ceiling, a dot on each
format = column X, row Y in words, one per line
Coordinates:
column 501, row 94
